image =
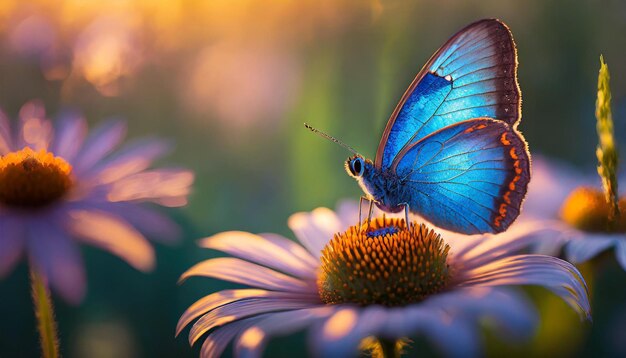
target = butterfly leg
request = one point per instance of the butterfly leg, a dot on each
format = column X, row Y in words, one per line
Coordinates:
column 361, row 208
column 369, row 215
column 406, row 214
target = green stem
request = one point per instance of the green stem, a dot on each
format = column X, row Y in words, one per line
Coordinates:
column 44, row 314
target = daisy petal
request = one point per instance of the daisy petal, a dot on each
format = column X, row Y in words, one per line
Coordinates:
column 217, row 299
column 129, row 160
column 513, row 316
column 584, row 249
column 35, row 130
column 70, row 136
column 100, row 143
column 58, row 259
column 6, row 140
column 113, row 234
column 453, row 335
column 12, row 238
column 495, row 247
column 242, row 309
column 274, row 252
column 217, row 341
column 620, row 252
column 155, row 225
column 168, row 187
column 314, row 230
column 343, row 331
column 552, row 273
column 251, row 342
column 246, row 273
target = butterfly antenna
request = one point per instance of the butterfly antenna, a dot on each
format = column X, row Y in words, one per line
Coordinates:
column 329, row 137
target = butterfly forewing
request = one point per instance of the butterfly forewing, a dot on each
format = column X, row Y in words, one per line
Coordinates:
column 473, row 75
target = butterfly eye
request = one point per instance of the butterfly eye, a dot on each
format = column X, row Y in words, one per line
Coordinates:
column 357, row 167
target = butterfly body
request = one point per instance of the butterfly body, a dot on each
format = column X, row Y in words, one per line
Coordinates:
column 451, row 151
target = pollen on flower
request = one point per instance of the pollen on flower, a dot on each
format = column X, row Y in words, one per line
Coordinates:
column 587, row 209
column 30, row 179
column 389, row 264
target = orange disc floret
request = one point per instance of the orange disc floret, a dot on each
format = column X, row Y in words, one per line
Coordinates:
column 30, row 179
column 387, row 264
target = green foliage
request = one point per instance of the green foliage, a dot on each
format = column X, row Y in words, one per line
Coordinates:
column 45, row 316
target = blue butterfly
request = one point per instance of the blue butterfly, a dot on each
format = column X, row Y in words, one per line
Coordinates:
column 451, row 151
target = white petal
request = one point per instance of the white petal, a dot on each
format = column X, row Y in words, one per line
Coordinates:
column 620, row 252
column 251, row 342
column 113, row 234
column 217, row 341
column 554, row 274
column 493, row 247
column 588, row 246
column 237, row 310
column 513, row 316
column 246, row 273
column 220, row 298
column 315, row 229
column 271, row 251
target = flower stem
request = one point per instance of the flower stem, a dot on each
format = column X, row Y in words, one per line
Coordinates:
column 44, row 314
column 606, row 152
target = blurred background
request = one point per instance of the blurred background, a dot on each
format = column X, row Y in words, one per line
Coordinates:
column 232, row 81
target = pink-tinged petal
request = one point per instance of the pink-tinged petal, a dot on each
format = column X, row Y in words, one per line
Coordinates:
column 58, row 259
column 132, row 159
column 115, row 235
column 586, row 247
column 12, row 242
column 252, row 341
column 454, row 335
column 551, row 184
column 554, row 274
column 620, row 252
column 102, row 141
column 242, row 309
column 70, row 136
column 150, row 222
column 493, row 247
column 342, row 333
column 168, row 187
column 315, row 229
column 512, row 316
column 221, row 298
column 274, row 252
column 217, row 341
column 246, row 273
column 6, row 137
column 35, row 129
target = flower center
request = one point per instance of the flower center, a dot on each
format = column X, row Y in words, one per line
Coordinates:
column 586, row 209
column 388, row 265
column 30, row 179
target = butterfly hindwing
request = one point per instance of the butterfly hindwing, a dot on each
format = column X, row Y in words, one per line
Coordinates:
column 473, row 75
column 469, row 177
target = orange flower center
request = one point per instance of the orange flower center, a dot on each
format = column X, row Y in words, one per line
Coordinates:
column 30, row 179
column 388, row 265
column 587, row 209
